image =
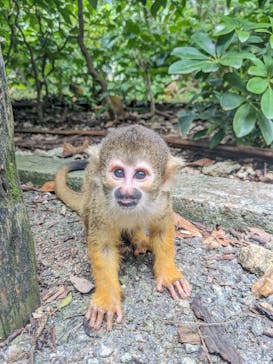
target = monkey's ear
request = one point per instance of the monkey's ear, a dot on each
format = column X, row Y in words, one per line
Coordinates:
column 174, row 165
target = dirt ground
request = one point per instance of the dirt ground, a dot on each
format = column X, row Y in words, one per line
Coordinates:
column 155, row 328
column 150, row 329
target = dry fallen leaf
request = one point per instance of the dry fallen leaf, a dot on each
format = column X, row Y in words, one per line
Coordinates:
column 55, row 293
column 264, row 285
column 203, row 162
column 216, row 239
column 69, row 150
column 81, row 284
column 48, row 186
column 260, row 235
column 188, row 229
column 188, row 335
column 29, row 186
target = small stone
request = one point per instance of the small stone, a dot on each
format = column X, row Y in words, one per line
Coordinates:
column 105, row 351
column 188, row 361
column 125, row 358
column 190, row 348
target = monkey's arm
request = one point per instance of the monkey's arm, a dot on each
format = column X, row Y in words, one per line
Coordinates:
column 167, row 274
column 71, row 198
column 106, row 301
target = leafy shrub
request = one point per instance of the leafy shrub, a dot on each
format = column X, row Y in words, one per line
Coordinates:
column 234, row 64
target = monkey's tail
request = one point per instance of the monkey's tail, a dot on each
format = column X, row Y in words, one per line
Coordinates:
column 71, row 198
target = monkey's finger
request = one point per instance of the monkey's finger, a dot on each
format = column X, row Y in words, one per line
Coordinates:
column 93, row 316
column 99, row 319
column 172, row 291
column 180, row 289
column 119, row 316
column 110, row 316
column 159, row 287
column 186, row 286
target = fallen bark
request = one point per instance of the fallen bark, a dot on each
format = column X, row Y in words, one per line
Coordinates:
column 173, row 140
column 214, row 336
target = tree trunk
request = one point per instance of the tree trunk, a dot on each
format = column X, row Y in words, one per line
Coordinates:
column 19, row 291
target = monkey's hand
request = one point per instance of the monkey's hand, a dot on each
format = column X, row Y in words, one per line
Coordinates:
column 180, row 288
column 98, row 310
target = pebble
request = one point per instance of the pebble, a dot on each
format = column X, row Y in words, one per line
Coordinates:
column 125, row 358
column 188, row 360
column 105, row 351
column 190, row 348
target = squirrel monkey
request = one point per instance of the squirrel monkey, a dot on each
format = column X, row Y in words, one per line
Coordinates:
column 126, row 189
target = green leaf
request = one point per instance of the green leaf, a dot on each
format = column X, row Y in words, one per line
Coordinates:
column 267, row 103
column 185, row 66
column 157, row 4
column 257, row 85
column 230, row 101
column 244, row 120
column 231, row 59
column 209, row 67
column 258, row 70
column 132, row 27
column 65, row 301
column 234, row 81
column 216, row 139
column 93, row 3
column 266, row 127
column 271, row 40
column 223, row 42
column 204, row 42
column 189, row 53
column 185, row 119
column 223, row 29
column 200, row 134
column 242, row 35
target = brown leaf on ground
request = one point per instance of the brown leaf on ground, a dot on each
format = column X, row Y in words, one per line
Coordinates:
column 264, row 286
column 187, row 229
column 260, row 235
column 55, row 293
column 69, row 150
column 203, row 162
column 29, row 186
column 81, row 284
column 216, row 239
column 188, row 335
column 48, row 186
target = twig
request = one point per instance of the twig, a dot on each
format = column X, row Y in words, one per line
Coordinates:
column 35, row 338
column 203, row 343
column 11, row 337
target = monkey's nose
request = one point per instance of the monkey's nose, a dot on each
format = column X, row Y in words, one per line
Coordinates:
column 127, row 200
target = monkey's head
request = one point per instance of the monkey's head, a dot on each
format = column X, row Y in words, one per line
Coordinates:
column 136, row 167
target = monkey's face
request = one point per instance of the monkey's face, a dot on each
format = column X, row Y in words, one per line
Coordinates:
column 129, row 184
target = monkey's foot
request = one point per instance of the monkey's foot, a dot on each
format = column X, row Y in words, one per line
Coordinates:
column 178, row 288
column 95, row 315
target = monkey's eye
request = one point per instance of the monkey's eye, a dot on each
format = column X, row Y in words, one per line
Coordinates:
column 140, row 174
column 119, row 173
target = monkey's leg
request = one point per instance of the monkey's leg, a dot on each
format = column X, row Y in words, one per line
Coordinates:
column 166, row 273
column 141, row 241
column 107, row 298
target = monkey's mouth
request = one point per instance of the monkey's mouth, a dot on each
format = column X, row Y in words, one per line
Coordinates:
column 127, row 203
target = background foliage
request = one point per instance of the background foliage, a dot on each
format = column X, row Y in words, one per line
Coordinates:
column 139, row 47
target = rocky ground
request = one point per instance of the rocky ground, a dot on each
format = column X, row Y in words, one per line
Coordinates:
column 153, row 325
column 155, row 329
